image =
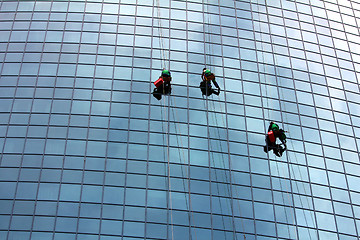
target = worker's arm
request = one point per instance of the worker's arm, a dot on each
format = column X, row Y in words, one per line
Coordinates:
column 283, row 141
column 215, row 83
column 269, row 128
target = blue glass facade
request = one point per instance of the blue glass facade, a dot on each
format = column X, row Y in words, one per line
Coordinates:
column 88, row 153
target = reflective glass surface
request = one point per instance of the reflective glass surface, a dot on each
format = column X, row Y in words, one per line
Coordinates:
column 87, row 152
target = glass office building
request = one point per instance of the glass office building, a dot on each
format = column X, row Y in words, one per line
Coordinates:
column 87, row 153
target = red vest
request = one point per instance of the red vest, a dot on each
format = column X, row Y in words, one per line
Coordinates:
column 159, row 82
column 271, row 136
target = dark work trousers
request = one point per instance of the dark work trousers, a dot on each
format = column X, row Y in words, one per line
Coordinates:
column 163, row 89
column 277, row 148
column 206, row 89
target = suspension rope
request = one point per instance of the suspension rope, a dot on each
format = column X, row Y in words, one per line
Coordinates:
column 169, row 174
column 215, row 173
column 288, row 157
column 297, row 164
column 268, row 95
column 210, row 53
column 206, row 105
column 263, row 64
column 182, row 172
column 164, row 61
column 207, row 36
column 232, row 178
column 204, row 31
column 163, row 53
column 211, row 153
column 209, row 33
column 165, row 119
column 168, row 166
column 293, row 172
column 227, row 179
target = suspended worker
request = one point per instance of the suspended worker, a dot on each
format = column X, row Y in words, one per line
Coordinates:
column 207, row 76
column 275, row 132
column 162, row 85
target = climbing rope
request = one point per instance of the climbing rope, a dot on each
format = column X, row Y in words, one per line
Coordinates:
column 165, row 119
column 175, row 116
column 299, row 170
column 268, row 94
column 207, row 40
column 287, row 155
column 228, row 179
column 168, row 166
column 232, row 178
column 164, row 58
column 163, row 53
column 215, row 172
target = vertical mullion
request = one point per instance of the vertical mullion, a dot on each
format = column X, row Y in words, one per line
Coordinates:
column 245, row 121
column 170, row 208
column 190, row 214
column 288, row 160
column 69, row 119
column 352, row 126
column 228, row 179
column 129, row 117
column 337, row 136
column 308, row 175
column 11, row 31
column 302, row 134
column 47, row 130
column 109, row 120
column 88, row 124
column 148, row 126
column 233, row 183
column 10, row 114
column 277, row 86
column 18, row 76
column 207, row 127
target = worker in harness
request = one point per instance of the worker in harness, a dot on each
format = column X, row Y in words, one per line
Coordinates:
column 275, row 132
column 207, row 76
column 162, row 85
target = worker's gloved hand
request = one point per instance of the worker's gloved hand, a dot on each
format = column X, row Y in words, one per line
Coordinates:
column 218, row 89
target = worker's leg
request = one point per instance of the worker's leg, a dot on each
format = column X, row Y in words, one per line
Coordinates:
column 157, row 94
